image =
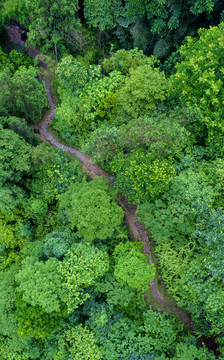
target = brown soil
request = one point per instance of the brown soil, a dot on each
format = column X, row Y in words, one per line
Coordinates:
column 136, row 228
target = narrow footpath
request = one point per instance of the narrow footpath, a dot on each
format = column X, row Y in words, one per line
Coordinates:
column 136, row 228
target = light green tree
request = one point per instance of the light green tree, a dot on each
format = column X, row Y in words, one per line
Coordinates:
column 191, row 352
column 71, row 75
column 15, row 156
column 144, row 89
column 141, row 177
column 81, row 267
column 41, row 284
column 58, row 287
column 198, row 83
column 77, row 343
column 132, row 266
column 125, row 60
column 92, row 209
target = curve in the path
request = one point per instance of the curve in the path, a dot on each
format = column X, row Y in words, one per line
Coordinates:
column 136, row 228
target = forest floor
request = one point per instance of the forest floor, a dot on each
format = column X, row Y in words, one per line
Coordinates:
column 137, row 231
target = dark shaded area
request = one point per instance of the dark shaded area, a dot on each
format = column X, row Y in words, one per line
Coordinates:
column 210, row 344
column 24, row 35
column 80, row 12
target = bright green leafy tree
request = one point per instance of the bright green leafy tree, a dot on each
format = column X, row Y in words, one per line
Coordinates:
column 182, row 203
column 81, row 113
column 81, row 267
column 77, row 343
column 54, row 289
column 198, row 83
column 11, row 236
column 14, row 60
column 63, row 173
column 91, row 208
column 191, row 352
column 163, row 135
column 40, row 284
column 131, row 266
column 145, row 89
column 71, row 75
column 15, row 156
column 125, row 60
column 13, row 345
column 140, row 177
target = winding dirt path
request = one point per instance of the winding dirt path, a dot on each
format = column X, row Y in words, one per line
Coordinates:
column 136, row 228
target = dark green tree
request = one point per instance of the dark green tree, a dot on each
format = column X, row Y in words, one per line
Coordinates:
column 22, row 95
column 50, row 21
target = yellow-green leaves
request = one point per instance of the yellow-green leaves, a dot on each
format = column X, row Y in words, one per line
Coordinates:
column 71, row 74
column 143, row 91
column 140, row 177
column 82, row 265
column 198, row 83
column 55, row 285
column 77, row 343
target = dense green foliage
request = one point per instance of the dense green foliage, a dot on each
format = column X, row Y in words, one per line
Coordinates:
column 92, row 210
column 198, row 83
column 73, row 284
column 22, row 94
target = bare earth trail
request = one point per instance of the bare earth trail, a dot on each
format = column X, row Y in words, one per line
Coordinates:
column 136, row 228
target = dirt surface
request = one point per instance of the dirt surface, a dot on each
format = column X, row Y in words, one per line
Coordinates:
column 14, row 33
column 136, row 228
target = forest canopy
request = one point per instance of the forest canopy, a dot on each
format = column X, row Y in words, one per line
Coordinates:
column 111, row 180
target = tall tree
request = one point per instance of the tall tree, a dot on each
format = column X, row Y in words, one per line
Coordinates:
column 141, row 177
column 15, row 163
column 50, row 20
column 153, row 25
